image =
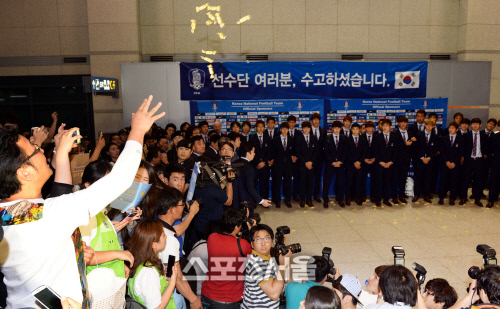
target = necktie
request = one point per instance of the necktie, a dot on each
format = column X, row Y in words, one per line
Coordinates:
column 336, row 142
column 488, row 133
column 284, row 144
column 451, row 140
column 307, row 141
column 316, row 133
column 474, row 146
column 420, row 127
column 271, row 134
column 260, row 141
column 356, row 141
column 292, row 133
column 386, row 140
column 347, row 133
column 427, row 138
column 369, row 141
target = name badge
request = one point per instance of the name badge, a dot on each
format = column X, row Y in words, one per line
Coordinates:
column 456, row 145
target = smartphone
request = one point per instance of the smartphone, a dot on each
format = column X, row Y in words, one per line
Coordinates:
column 47, row 297
column 129, row 217
column 170, row 265
column 77, row 132
column 33, row 130
column 99, row 134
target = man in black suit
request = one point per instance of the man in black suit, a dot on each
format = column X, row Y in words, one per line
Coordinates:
column 495, row 169
column 293, row 132
column 490, row 127
column 452, row 148
column 419, row 125
column 244, row 184
column 320, row 135
column 356, row 151
column 346, row 129
column 438, row 130
column 235, row 140
column 369, row 161
column 404, row 140
column 245, row 131
column 464, row 126
column 271, row 130
column 335, row 155
column 425, row 149
column 457, row 118
column 282, row 166
column 204, row 132
column 218, row 128
column 212, row 151
column 262, row 144
column 385, row 155
column 475, row 153
column 306, row 149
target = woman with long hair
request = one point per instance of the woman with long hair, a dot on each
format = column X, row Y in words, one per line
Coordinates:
column 148, row 284
column 111, row 153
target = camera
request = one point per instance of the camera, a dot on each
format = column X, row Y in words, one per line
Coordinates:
column 244, row 206
column 489, row 258
column 326, row 254
column 189, row 203
column 216, row 172
column 399, row 255
column 280, row 246
column 421, row 272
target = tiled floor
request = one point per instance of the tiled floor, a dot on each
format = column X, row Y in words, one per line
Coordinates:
column 443, row 239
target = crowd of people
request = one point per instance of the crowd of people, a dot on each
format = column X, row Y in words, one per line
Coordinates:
column 171, row 251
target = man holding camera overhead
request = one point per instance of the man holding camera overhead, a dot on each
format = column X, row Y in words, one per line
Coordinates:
column 485, row 288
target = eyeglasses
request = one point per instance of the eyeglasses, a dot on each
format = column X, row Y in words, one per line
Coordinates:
column 226, row 150
column 260, row 240
column 428, row 293
column 37, row 150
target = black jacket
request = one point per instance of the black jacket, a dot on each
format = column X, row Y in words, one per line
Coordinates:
column 468, row 144
column 276, row 132
column 353, row 153
column 385, row 153
column 245, row 184
column 370, row 148
column 333, row 154
column 424, row 149
column 282, row 158
column 262, row 154
column 414, row 128
column 452, row 153
column 404, row 151
column 304, row 153
column 212, row 154
column 322, row 137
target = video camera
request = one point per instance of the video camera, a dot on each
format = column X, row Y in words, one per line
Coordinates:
column 326, row 254
column 399, row 255
column 280, row 246
column 489, row 258
column 216, row 172
column 421, row 272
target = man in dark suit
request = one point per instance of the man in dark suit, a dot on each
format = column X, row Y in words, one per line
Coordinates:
column 457, row 118
column 306, row 149
column 320, row 135
column 438, row 130
column 404, row 140
column 244, row 184
column 212, row 151
column 218, row 128
column 385, row 155
column 355, row 154
column 464, row 126
column 282, row 166
column 271, row 131
column 293, row 132
column 475, row 153
column 335, row 155
column 245, row 131
column 346, row 129
column 490, row 127
column 204, row 131
column 369, row 161
column 419, row 125
column 262, row 144
column 452, row 148
column 495, row 169
column 425, row 149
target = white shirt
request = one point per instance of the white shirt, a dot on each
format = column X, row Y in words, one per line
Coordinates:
column 42, row 252
column 478, row 147
column 205, row 138
column 369, row 138
column 405, row 136
column 420, row 126
column 336, row 138
column 346, row 132
column 316, row 132
column 270, row 132
column 148, row 287
column 387, row 137
column 283, row 139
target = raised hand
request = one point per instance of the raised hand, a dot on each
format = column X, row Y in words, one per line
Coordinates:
column 143, row 119
column 67, row 140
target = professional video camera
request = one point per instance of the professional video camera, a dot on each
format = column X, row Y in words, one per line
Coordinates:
column 326, row 254
column 489, row 258
column 421, row 272
column 399, row 255
column 216, row 172
column 280, row 246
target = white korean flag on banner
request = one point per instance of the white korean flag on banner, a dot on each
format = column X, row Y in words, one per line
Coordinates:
column 406, row 80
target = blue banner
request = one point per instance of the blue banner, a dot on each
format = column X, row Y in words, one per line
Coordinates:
column 303, row 80
column 229, row 111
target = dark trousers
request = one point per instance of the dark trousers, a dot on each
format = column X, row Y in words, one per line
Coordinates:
column 423, row 177
column 354, row 183
column 369, row 168
column 282, row 175
column 318, row 170
column 448, row 181
column 262, row 181
column 296, row 177
column 473, row 169
column 330, row 171
column 494, row 182
column 435, row 163
column 399, row 176
column 487, row 173
column 219, row 305
column 383, row 182
column 306, row 181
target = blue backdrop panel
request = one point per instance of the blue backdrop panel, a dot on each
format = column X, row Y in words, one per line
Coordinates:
column 228, row 111
column 303, row 80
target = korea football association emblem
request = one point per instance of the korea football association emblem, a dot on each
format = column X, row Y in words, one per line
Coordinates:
column 346, row 104
column 196, row 78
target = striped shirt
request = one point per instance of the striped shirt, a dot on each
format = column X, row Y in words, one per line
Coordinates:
column 258, row 270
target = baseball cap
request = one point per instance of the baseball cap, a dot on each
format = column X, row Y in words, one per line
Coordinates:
column 352, row 284
column 176, row 133
column 186, row 143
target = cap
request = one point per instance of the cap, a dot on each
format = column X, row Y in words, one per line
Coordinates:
column 186, row 143
column 123, row 131
column 176, row 133
column 351, row 283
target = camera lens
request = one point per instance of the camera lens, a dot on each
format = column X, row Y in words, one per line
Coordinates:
column 295, row 248
column 474, row 272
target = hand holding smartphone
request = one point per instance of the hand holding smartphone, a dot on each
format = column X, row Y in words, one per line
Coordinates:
column 47, row 297
column 170, row 265
column 129, row 217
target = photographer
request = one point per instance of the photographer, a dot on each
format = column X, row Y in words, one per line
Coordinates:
column 348, row 290
column 486, row 288
column 295, row 292
column 223, row 287
column 439, row 294
column 263, row 280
